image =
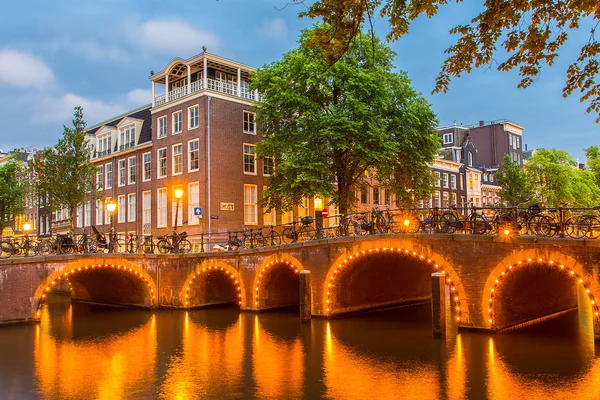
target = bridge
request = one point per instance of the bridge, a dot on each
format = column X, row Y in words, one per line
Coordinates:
column 490, row 283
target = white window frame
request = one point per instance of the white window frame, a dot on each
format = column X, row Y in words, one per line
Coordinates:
column 265, row 165
column 162, row 127
column 445, row 180
column 87, row 216
column 193, row 201
column 122, row 173
column 100, row 177
column 129, row 175
column 438, row 180
column 190, row 119
column 146, row 207
column 131, row 200
column 106, row 174
column 470, row 158
column 249, row 154
column 158, row 169
column 448, row 138
column 175, row 124
column 161, row 208
column 248, row 131
column 146, row 178
column 197, row 151
column 99, row 212
column 107, row 220
column 173, row 173
column 253, row 205
column 121, row 208
column 452, row 181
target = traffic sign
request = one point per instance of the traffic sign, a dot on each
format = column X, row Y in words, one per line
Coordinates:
column 198, row 211
column 325, row 213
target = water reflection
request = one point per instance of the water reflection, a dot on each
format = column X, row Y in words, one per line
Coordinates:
column 83, row 351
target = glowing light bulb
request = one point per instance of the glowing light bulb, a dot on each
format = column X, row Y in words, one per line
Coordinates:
column 506, row 232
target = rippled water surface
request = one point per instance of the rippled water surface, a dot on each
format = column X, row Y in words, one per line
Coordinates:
column 82, row 351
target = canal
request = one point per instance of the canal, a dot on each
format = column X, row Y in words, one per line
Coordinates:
column 84, row 351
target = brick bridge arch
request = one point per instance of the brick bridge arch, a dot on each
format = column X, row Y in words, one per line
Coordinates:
column 213, row 282
column 276, row 282
column 564, row 271
column 135, row 286
column 405, row 248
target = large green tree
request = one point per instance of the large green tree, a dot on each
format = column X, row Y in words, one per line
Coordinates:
column 516, row 187
column 557, row 179
column 592, row 154
column 330, row 127
column 13, row 189
column 64, row 173
column 531, row 34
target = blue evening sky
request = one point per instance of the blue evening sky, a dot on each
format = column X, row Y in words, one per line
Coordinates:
column 58, row 54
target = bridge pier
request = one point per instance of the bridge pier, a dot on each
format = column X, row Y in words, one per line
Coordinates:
column 439, row 303
column 305, row 296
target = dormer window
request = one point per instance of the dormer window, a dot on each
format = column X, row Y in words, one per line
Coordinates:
column 448, row 138
column 470, row 159
column 127, row 137
column 104, row 145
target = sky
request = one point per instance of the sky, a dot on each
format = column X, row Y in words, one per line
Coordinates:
column 57, row 54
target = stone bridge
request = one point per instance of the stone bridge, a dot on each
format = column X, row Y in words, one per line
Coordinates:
column 492, row 283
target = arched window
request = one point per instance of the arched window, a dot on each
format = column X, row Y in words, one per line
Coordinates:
column 470, row 159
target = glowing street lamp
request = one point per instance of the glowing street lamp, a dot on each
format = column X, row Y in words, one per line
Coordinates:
column 178, row 195
column 111, row 207
column 26, row 227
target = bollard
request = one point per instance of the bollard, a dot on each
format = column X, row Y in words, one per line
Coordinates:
column 438, row 304
column 305, row 296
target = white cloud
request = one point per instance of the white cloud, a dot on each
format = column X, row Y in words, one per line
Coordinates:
column 60, row 109
column 275, row 28
column 139, row 96
column 92, row 49
column 174, row 36
column 23, row 69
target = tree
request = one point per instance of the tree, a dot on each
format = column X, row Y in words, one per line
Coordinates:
column 531, row 34
column 13, row 189
column 557, row 179
column 330, row 127
column 592, row 154
column 516, row 188
column 64, row 172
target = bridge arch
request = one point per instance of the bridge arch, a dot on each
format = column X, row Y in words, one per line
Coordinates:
column 227, row 282
column 433, row 261
column 133, row 277
column 562, row 270
column 276, row 282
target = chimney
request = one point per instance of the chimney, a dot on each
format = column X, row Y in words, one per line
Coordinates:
column 481, row 123
column 525, row 146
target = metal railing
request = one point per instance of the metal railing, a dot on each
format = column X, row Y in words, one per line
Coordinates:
column 218, row 85
column 528, row 220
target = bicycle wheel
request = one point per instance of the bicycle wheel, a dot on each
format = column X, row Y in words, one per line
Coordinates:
column 163, row 246
column 407, row 224
column 546, row 226
column 288, row 235
column 6, row 249
column 259, row 240
column 148, row 246
column 448, row 224
column 234, row 244
column 46, row 247
column 576, row 227
column 273, row 239
column 33, row 250
column 594, row 227
column 381, row 224
column 307, row 233
column 479, row 225
column 185, row 246
column 120, row 246
column 360, row 227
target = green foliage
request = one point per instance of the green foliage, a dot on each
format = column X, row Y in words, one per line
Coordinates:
column 64, row 172
column 516, row 188
column 13, row 189
column 329, row 127
column 557, row 179
column 593, row 161
column 530, row 32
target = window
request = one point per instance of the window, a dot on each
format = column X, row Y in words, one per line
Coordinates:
column 193, row 156
column 364, row 195
column 448, row 138
column 510, row 140
column 303, row 207
column 269, row 218
column 250, row 206
column 108, row 176
column 287, row 217
column 470, row 155
column 104, row 146
column 121, row 211
column 176, row 122
column 438, row 179
column 177, row 211
column 452, row 181
column 146, row 175
column 161, row 195
column 162, row 127
column 162, row 163
column 268, row 165
column 462, row 179
column 177, row 159
column 518, row 142
column 445, row 181
column 99, row 212
column 388, row 198
column 87, row 217
column 436, row 199
column 193, row 201
column 100, row 178
column 445, row 199
column 127, row 137
column 132, row 170
column 79, row 216
column 107, row 215
column 249, row 159
column 249, row 123
column 122, row 173
column 193, row 117
column 470, row 181
column 146, row 207
column 131, row 207
column 375, row 195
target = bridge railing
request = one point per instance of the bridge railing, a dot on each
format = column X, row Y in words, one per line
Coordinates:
column 529, row 219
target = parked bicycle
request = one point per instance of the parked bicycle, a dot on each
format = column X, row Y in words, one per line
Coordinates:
column 13, row 247
column 174, row 243
column 305, row 232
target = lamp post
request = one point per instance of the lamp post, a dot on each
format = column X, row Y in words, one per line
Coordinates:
column 178, row 196
column 26, row 228
column 318, row 204
column 110, row 207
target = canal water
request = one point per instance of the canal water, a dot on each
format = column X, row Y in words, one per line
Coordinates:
column 83, row 351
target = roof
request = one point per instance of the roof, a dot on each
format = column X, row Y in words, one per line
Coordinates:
column 142, row 113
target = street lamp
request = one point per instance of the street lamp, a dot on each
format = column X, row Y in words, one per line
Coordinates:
column 178, row 196
column 26, row 228
column 111, row 207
